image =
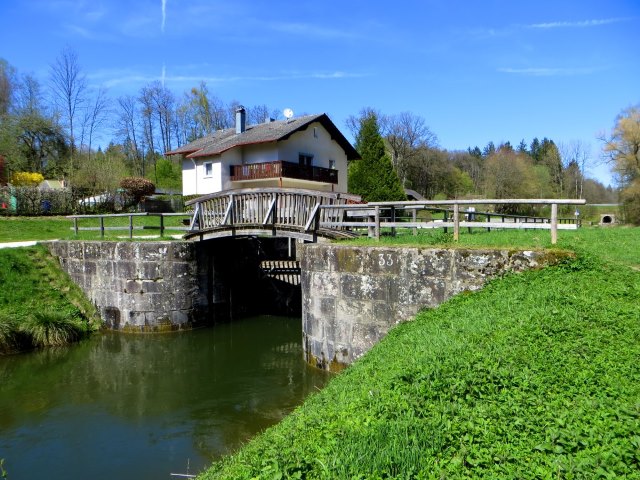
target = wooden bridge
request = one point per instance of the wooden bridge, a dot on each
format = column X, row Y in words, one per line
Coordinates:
column 278, row 212
column 313, row 215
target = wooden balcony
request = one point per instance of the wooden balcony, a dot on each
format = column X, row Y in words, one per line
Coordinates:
column 281, row 169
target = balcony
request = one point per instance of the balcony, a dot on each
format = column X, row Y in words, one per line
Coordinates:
column 281, row 169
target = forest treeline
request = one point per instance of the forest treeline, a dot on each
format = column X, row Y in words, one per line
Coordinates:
column 53, row 129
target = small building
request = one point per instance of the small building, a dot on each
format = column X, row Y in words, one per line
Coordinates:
column 305, row 152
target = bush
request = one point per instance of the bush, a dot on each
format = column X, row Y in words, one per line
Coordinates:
column 137, row 188
column 26, row 179
column 51, row 328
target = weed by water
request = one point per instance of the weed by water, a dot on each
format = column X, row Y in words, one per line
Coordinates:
column 50, row 329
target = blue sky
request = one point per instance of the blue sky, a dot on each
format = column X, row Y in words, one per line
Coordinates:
column 476, row 71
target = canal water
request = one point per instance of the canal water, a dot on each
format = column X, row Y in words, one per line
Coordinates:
column 145, row 406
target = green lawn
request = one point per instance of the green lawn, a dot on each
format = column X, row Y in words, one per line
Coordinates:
column 535, row 376
column 16, row 229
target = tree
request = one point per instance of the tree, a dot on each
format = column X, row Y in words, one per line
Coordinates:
column 508, row 174
column 622, row 147
column 7, row 86
column 373, row 177
column 405, row 133
column 69, row 86
column 622, row 150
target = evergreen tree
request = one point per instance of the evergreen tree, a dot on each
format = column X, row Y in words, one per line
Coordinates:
column 373, row 176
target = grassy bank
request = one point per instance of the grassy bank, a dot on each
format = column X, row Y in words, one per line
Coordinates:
column 39, row 305
column 535, row 376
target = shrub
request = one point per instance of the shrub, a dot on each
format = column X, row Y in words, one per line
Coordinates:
column 51, row 328
column 137, row 187
column 26, row 179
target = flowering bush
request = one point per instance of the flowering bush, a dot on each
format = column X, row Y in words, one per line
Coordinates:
column 26, row 179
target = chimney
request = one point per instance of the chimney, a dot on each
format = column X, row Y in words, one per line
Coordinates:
column 241, row 119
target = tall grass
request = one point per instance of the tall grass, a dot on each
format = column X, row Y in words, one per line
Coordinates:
column 50, row 328
column 39, row 304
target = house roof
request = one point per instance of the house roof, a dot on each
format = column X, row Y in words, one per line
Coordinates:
column 223, row 140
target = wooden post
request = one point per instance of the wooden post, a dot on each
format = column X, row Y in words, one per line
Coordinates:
column 75, row 224
column 414, row 217
column 161, row 225
column 130, row 226
column 102, row 226
column 456, row 222
column 393, row 219
column 554, row 223
column 376, row 228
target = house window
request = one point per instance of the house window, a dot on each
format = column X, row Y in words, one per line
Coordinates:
column 305, row 159
column 208, row 169
column 315, row 132
column 332, row 164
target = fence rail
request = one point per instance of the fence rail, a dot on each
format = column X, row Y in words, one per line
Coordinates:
column 375, row 216
column 130, row 227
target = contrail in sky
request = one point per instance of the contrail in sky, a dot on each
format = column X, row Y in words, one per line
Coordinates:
column 164, row 14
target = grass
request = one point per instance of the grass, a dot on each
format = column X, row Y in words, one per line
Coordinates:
column 39, row 304
column 535, row 376
column 16, row 229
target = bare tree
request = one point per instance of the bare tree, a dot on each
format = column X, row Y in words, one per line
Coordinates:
column 575, row 158
column 405, row 133
column 68, row 86
column 95, row 115
column 128, row 131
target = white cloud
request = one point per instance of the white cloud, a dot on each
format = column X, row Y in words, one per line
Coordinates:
column 578, row 24
column 548, row 72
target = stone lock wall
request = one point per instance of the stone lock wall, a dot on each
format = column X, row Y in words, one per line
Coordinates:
column 352, row 296
column 137, row 286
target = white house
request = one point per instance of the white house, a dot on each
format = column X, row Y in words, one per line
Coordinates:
column 305, row 152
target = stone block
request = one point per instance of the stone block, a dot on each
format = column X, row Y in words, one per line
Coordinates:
column 428, row 262
column 75, row 250
column 364, row 287
column 324, row 283
column 387, row 261
column 351, row 310
column 183, row 251
column 348, row 260
column 478, row 263
column 126, row 270
column 417, row 291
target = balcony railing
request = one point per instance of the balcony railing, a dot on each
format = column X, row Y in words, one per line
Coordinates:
column 257, row 171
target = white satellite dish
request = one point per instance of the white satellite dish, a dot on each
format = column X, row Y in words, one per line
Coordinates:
column 288, row 113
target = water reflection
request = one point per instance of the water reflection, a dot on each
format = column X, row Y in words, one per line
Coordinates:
column 125, row 406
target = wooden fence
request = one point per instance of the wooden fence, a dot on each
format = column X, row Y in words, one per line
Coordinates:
column 130, row 227
column 376, row 216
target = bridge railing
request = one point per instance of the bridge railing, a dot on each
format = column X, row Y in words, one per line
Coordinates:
column 375, row 216
column 276, row 208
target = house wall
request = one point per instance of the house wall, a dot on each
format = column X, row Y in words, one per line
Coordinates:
column 189, row 178
column 321, row 146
